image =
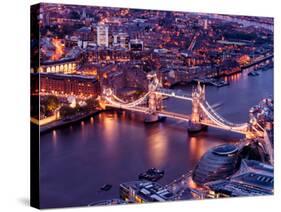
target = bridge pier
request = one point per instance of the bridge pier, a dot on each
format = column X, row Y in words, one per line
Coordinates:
column 152, row 118
column 195, row 127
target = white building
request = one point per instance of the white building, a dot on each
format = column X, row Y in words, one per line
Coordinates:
column 124, row 40
column 102, row 35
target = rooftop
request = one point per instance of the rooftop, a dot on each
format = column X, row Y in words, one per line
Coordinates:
column 149, row 191
column 54, row 62
column 253, row 178
column 225, row 149
column 55, row 75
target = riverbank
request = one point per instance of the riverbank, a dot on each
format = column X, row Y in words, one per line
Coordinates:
column 63, row 123
column 217, row 81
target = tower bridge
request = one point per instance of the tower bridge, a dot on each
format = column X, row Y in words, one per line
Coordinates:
column 202, row 115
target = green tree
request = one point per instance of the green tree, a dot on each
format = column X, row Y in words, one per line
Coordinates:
column 67, row 111
column 52, row 103
column 91, row 104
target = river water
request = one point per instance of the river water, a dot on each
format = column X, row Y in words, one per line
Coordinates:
column 114, row 147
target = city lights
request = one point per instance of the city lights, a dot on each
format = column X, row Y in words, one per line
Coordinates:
column 182, row 97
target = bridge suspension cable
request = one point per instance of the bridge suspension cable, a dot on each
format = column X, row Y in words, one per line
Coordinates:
column 217, row 116
column 118, row 99
column 121, row 103
column 205, row 106
column 221, row 122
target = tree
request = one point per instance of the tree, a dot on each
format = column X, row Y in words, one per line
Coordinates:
column 67, row 111
column 52, row 103
column 91, row 104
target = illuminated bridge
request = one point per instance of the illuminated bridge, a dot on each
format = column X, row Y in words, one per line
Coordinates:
column 202, row 113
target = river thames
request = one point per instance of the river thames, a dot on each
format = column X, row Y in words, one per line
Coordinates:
column 115, row 146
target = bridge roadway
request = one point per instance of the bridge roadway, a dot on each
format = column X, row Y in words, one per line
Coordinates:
column 175, row 94
column 145, row 110
column 178, row 116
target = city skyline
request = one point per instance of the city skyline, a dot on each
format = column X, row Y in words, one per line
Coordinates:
column 139, row 87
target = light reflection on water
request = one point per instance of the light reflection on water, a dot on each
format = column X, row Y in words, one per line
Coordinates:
column 157, row 147
column 54, row 137
column 92, row 121
column 197, row 147
column 110, row 131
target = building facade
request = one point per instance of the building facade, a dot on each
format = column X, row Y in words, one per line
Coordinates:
column 83, row 86
column 102, row 35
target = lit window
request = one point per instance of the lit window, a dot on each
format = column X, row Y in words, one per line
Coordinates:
column 61, row 68
column 65, row 68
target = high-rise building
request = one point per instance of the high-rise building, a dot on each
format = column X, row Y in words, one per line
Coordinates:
column 121, row 39
column 124, row 40
column 205, row 24
column 102, row 35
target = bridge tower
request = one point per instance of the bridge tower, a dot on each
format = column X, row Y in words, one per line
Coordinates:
column 198, row 96
column 154, row 99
